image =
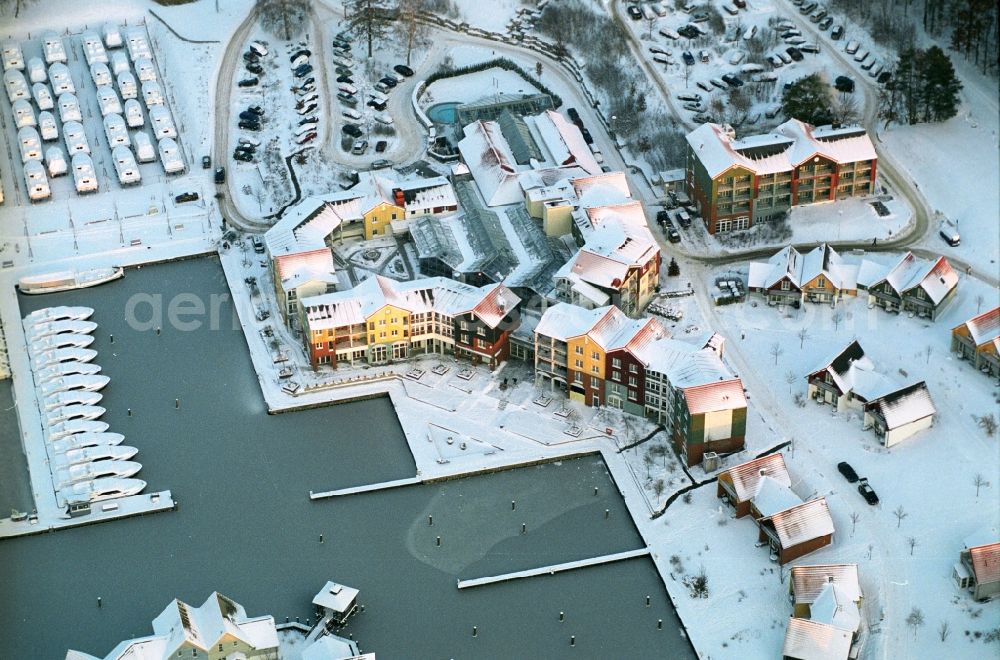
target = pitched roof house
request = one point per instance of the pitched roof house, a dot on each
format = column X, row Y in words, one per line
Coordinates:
column 798, row 530
column 978, row 569
column 741, row 483
column 820, row 275
column 827, row 593
column 978, row 341
column 811, row 640
column 914, row 285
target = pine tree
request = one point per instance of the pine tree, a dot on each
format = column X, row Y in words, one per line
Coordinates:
column 940, row 84
column 673, row 270
column 906, row 85
column 809, row 100
column 369, row 19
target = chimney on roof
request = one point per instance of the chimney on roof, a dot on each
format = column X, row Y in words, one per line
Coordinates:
column 829, row 578
column 501, row 303
column 760, row 472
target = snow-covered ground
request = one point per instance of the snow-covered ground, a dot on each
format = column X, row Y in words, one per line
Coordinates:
column 929, row 475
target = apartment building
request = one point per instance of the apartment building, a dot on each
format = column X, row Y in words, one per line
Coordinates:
column 382, row 320
column 737, row 183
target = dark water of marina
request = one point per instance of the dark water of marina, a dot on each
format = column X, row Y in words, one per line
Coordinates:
column 15, row 484
column 246, row 527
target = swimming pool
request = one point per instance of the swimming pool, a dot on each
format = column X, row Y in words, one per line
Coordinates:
column 443, row 113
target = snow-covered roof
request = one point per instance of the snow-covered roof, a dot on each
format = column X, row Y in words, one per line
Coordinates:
column 802, row 522
column 489, row 303
column 611, row 249
column 746, row 477
column 563, row 321
column 986, row 563
column 835, row 606
column 801, row 269
column 773, row 496
column 716, row 396
column 335, row 597
column 331, row 647
column 810, row 640
column 791, row 144
column 937, row 278
column 905, row 405
column 984, row 328
column 853, row 371
column 809, row 581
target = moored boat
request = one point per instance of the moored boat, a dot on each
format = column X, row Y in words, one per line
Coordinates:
column 101, row 489
column 89, row 382
column 68, row 280
column 53, row 342
column 63, row 369
column 58, row 313
column 75, row 427
column 59, row 355
column 85, row 440
column 95, row 470
column 71, row 397
column 91, row 454
column 69, row 413
column 61, row 327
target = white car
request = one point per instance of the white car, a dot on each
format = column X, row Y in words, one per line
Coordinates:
column 43, row 97
column 127, row 86
column 163, row 124
column 47, row 126
column 144, row 151
column 37, row 71
column 76, row 138
column 138, row 46
column 305, row 129
column 100, row 74
column 116, row 131
column 133, row 114
column 13, row 58
column 170, row 156
column 350, row 113
column 93, row 48
column 383, row 118
column 36, row 181
column 125, row 166
column 112, row 35
column 17, row 86
column 84, row 177
column 119, row 62
column 62, row 82
column 24, row 115
column 53, row 48
column 152, row 93
column 145, row 70
column 108, row 101
column 55, row 161
column 69, row 108
column 30, row 144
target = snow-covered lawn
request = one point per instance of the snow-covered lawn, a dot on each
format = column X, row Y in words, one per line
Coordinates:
column 929, row 475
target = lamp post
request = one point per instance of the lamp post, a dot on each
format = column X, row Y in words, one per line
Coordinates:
column 614, row 138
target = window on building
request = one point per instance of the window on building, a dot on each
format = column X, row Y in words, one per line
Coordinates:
column 381, row 334
column 632, row 381
column 579, row 350
column 594, row 381
column 579, row 364
column 463, row 325
column 481, row 331
column 785, row 285
column 381, row 321
column 371, row 326
column 632, row 369
column 395, row 333
column 594, row 369
column 616, row 376
column 371, row 339
column 616, row 363
column 594, row 355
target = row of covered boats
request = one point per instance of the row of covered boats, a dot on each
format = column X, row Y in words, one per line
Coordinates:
column 88, row 463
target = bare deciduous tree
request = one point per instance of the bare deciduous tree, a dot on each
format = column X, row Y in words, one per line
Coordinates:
column 369, row 20
column 944, row 630
column 927, row 353
column 790, row 378
column 979, row 481
column 855, row 516
column 915, row 619
column 409, row 27
column 802, row 334
column 837, row 317
column 285, row 19
column 911, row 541
column 658, row 488
column 776, row 350
column 987, row 423
column 900, row 514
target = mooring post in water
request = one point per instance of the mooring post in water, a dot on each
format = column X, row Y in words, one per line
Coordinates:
column 177, row 404
column 439, row 540
column 572, row 640
column 659, row 624
column 562, row 616
column 157, row 331
column 647, row 601
column 607, row 513
column 129, row 412
column 513, row 504
column 112, row 338
column 320, row 538
column 99, row 602
column 524, row 528
column 595, row 491
column 430, row 520
column 475, row 631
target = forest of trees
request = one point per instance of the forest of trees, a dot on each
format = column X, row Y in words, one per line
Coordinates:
column 925, row 88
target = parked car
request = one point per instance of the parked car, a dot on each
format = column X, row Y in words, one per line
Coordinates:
column 249, row 125
column 303, row 71
column 884, row 77
column 206, row 162
column 388, row 82
column 687, row 96
column 307, row 109
column 403, row 70
column 345, row 79
column 308, row 137
column 352, row 130
column 253, row 67
column 243, row 155
column 381, row 146
column 220, row 174
column 721, row 84
column 794, row 53
column 352, row 114
column 360, row 147
column 307, row 120
column 186, row 197
column 688, row 58
column 663, row 219
column 673, row 235
column 248, row 82
column 826, row 23
column 838, row 33
column 809, row 48
column 732, row 80
column 634, row 13
column 867, row 492
column 848, row 472
column 950, row 236
column 700, row 16
column 299, row 53
column 377, row 105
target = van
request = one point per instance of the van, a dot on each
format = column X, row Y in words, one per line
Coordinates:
column 163, row 124
column 133, row 114
column 61, row 81
column 125, row 166
column 107, row 100
column 138, row 46
column 116, row 131
column 258, row 245
column 17, row 86
column 170, row 156
column 24, row 115
column 127, row 85
column 119, row 62
column 112, row 35
column 694, row 98
column 703, row 84
column 76, row 138
column 43, row 97
column 55, row 162
column 93, row 49
column 83, row 173
column 144, row 151
column 47, row 126
column 36, row 70
column 259, row 48
column 348, row 88
column 950, row 236
column 36, row 181
column 145, row 69
column 851, row 47
column 100, row 74
column 152, row 94
column 53, row 48
column 13, row 58
column 30, row 144
column 69, row 108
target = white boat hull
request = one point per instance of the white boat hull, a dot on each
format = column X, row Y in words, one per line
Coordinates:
column 59, row 313
column 70, row 413
column 60, row 327
column 90, row 383
column 74, row 427
column 101, row 489
column 91, row 454
column 63, row 355
column 53, row 342
column 96, row 470
column 71, row 398
column 84, row 440
column 64, row 369
column 68, row 281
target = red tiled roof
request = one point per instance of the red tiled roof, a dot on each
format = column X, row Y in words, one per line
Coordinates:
column 746, row 476
column 986, row 563
column 711, row 397
column 985, row 327
column 804, row 522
